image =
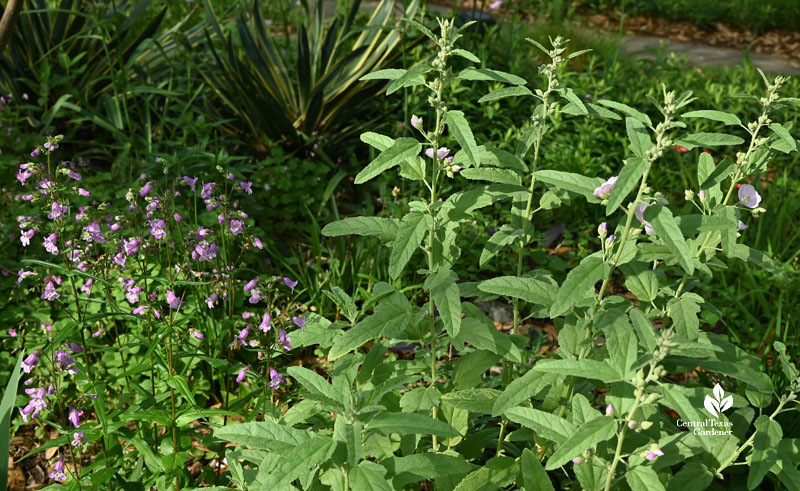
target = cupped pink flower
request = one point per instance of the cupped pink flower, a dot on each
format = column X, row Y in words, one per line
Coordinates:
column 748, row 196
column 603, row 191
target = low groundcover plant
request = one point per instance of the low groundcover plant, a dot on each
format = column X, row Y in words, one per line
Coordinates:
column 170, row 284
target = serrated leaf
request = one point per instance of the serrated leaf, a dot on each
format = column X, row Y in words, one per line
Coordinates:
column 666, row 228
column 522, row 389
column 694, row 224
column 376, row 140
column 693, row 475
column 411, row 78
column 497, row 473
column 548, row 425
column 539, row 291
column 638, row 136
column 513, row 91
column 403, row 148
column 784, row 135
column 492, row 175
column 317, row 386
column 506, row 235
column 369, row 476
column 473, row 400
column 487, row 74
column 383, row 228
column 643, row 478
column 409, row 424
column 412, row 230
column 629, row 176
column 765, row 449
column 683, row 312
column 447, row 298
column 640, row 280
column 722, row 117
column 459, row 206
column 644, row 329
column 459, row 128
column 696, row 140
column 587, row 435
column 534, row 477
column 722, row 171
column 417, row 467
column 486, row 337
column 591, row 369
column 625, row 109
column 580, row 280
column 386, row 316
column 298, row 461
column 569, row 181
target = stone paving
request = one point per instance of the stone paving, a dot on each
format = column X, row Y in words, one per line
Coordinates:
column 697, row 54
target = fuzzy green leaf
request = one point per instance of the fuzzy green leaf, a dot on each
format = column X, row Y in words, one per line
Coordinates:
column 548, row 425
column 264, row 435
column 369, row 476
column 383, row 228
column 639, row 137
column 534, row 477
column 483, row 335
column 643, row 478
column 459, row 128
column 765, row 449
column 492, row 175
column 591, row 369
column 625, row 109
column 447, row 298
column 708, row 140
column 722, row 117
column 539, row 291
column 506, row 235
column 409, row 424
column 297, row 462
column 629, row 176
column 401, row 149
column 493, row 75
column 513, row 91
column 587, row 436
column 580, row 280
column 667, row 229
column 318, row 387
column 412, row 230
column 569, row 181
column 473, row 400
column 522, row 389
column 683, row 312
column 497, row 473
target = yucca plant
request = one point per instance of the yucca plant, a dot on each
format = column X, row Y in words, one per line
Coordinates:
column 69, row 47
column 292, row 97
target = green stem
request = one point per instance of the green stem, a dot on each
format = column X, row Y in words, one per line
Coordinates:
column 621, row 439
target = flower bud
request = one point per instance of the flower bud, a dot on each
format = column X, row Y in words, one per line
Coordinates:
column 632, row 424
column 688, row 194
column 602, row 230
column 610, row 410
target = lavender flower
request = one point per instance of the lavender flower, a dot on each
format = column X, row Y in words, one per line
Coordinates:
column 257, row 243
column 157, row 229
column 495, row 5
column 275, row 378
column 610, row 410
column 211, row 299
column 50, row 292
column 58, row 471
column 657, row 452
column 94, row 232
column 285, row 340
column 30, row 362
column 25, row 237
column 35, row 405
column 24, row 274
column 207, row 189
column 236, row 227
column 440, row 152
column 50, row 244
column 250, row 284
column 57, row 211
column 173, row 301
column 299, row 322
column 610, row 240
column 242, row 375
column 291, row 284
column 603, row 191
column 602, row 230
column 66, row 362
column 748, row 196
column 190, row 181
column 78, row 439
column 74, row 417
column 131, row 246
column 265, row 323
column 247, row 187
column 742, row 226
column 146, row 188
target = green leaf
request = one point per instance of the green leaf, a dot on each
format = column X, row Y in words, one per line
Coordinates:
column 513, row 91
column 694, row 224
column 765, row 449
column 470, row 368
column 383, row 228
column 683, row 312
column 264, row 435
column 497, row 473
column 666, row 228
column 506, row 235
column 569, row 181
column 492, row 175
column 639, row 137
column 722, row 117
column 534, row 477
column 376, row 140
column 473, row 400
column 522, row 389
column 459, row 206
column 721, row 172
column 424, row 30
column 412, row 77
column 587, row 368
column 629, row 176
column 548, row 425
column 693, row 475
column 784, row 135
column 344, row 302
column 708, row 140
column 494, row 75
column 580, row 280
column 570, row 96
column 6, row 408
column 640, row 280
column 412, row 230
column 297, row 462
column 466, row 55
column 409, row 424
column 318, row 387
column 460, row 130
column 621, row 344
column 369, row 476
column 587, row 436
column 386, row 317
column 644, row 329
column 385, row 74
column 447, row 298
column 420, row 466
column 625, row 109
column 483, row 335
column 644, row 478
column 539, row 291
column 402, row 149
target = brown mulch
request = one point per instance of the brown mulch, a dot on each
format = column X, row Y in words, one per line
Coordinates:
column 784, row 44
